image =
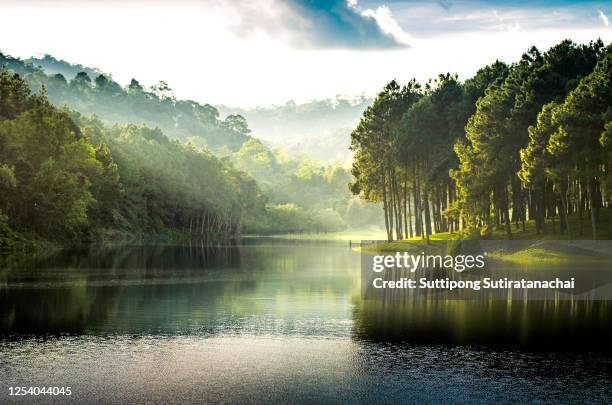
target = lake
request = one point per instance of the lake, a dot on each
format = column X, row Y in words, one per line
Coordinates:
column 279, row 320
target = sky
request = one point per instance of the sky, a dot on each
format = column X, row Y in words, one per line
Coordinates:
column 247, row 53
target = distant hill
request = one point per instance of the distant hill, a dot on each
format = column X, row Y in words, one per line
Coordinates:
column 318, row 128
column 89, row 91
column 53, row 66
column 300, row 193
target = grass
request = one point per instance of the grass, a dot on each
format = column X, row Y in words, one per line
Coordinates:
column 540, row 254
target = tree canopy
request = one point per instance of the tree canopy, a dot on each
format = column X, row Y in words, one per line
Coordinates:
column 513, row 143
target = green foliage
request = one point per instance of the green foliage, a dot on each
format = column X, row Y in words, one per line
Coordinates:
column 64, row 176
column 166, row 184
column 148, row 183
column 91, row 92
column 304, row 195
column 132, row 179
column 45, row 161
column 519, row 142
column 500, row 125
column 319, row 128
column 291, row 218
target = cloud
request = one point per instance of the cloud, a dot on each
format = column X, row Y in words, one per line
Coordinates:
column 387, row 24
column 343, row 24
column 603, row 18
column 429, row 19
column 445, row 4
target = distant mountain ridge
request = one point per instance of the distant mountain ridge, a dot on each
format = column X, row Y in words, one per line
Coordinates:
column 318, row 128
column 53, row 66
column 89, row 91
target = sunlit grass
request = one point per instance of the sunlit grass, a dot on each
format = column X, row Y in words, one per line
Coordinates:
column 539, row 254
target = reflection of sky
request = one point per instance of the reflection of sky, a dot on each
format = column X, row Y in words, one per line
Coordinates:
column 270, row 51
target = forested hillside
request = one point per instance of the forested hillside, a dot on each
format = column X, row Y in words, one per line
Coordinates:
column 65, row 177
column 91, row 92
column 52, row 66
column 522, row 142
column 187, row 173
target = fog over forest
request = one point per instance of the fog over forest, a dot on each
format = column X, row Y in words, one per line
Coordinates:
column 318, row 128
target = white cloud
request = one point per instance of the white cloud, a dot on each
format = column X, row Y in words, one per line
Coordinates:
column 199, row 52
column 335, row 24
column 603, row 18
column 386, row 22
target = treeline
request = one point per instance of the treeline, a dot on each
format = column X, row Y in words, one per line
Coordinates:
column 65, row 177
column 519, row 142
column 179, row 186
column 91, row 92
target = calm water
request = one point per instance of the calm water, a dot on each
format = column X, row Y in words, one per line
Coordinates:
column 280, row 320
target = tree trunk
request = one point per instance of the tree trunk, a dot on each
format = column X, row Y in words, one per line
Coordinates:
column 405, row 203
column 507, row 214
column 386, row 210
column 418, row 228
column 564, row 208
column 591, row 195
column 427, row 216
column 579, row 198
column 409, row 215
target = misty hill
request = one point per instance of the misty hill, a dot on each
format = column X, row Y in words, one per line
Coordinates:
column 53, row 66
column 90, row 92
column 319, row 128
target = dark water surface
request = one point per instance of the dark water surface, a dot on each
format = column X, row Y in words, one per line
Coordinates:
column 280, row 320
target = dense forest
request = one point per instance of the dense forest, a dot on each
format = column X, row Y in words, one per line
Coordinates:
column 526, row 142
column 65, row 176
column 85, row 159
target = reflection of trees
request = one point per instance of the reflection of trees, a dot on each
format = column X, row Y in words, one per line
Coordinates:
column 534, row 323
column 88, row 290
column 178, row 289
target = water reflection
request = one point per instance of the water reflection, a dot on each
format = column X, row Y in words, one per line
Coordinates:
column 265, row 287
column 281, row 321
column 573, row 325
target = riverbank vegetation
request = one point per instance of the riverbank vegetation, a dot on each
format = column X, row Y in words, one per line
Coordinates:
column 74, row 167
column 66, row 177
column 516, row 143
